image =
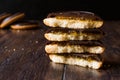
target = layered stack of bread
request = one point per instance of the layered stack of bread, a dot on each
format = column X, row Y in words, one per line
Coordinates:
column 74, row 38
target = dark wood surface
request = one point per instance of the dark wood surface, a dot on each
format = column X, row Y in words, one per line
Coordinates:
column 22, row 57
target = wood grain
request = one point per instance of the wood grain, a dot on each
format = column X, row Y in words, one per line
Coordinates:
column 111, row 42
column 22, row 57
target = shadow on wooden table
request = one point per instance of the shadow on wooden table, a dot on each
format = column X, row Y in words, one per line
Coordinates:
column 70, row 72
column 55, row 72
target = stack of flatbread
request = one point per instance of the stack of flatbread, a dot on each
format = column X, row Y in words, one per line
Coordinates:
column 74, row 38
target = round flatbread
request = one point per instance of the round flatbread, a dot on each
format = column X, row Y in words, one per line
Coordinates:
column 4, row 15
column 73, row 19
column 9, row 20
column 26, row 25
column 63, row 34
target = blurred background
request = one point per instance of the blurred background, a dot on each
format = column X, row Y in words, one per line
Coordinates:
column 38, row 9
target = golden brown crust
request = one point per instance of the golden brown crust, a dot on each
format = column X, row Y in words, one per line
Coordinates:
column 25, row 25
column 17, row 26
column 73, row 20
column 74, row 47
column 11, row 19
column 4, row 15
column 86, row 56
column 83, row 61
column 72, row 23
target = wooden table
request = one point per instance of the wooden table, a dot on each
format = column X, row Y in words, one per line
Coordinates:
column 22, row 57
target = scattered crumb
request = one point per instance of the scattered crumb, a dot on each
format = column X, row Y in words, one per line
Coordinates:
column 14, row 49
column 36, row 41
column 18, row 31
column 22, row 49
column 5, row 47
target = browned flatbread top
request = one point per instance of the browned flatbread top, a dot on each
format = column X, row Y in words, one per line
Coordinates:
column 82, row 15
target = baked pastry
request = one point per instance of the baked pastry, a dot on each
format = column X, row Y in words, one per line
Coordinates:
column 93, row 47
column 15, row 17
column 73, row 38
column 84, row 60
column 64, row 34
column 73, row 19
column 4, row 15
column 25, row 25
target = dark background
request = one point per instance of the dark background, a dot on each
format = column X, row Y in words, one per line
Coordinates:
column 38, row 9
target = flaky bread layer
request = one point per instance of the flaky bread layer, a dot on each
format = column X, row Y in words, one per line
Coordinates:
column 71, row 36
column 71, row 23
column 56, row 48
column 76, row 61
